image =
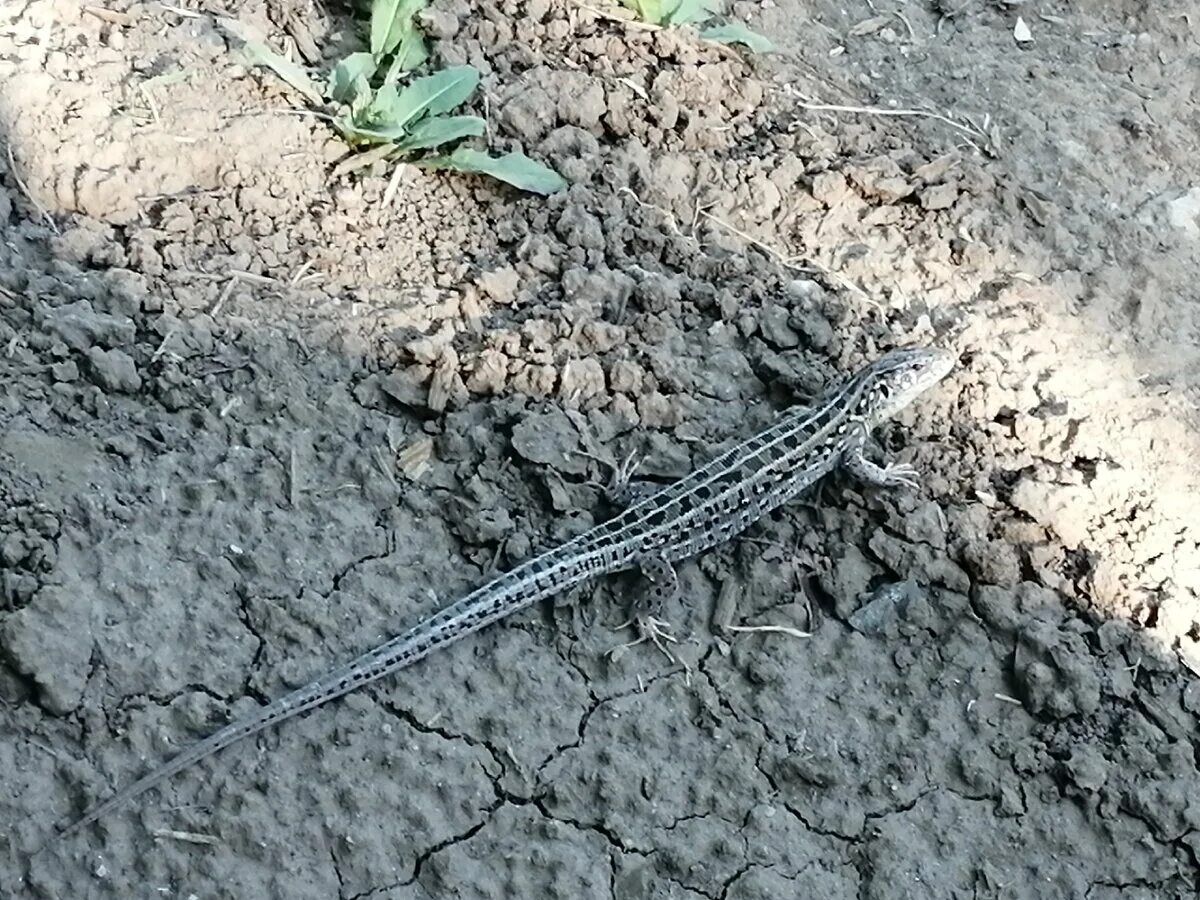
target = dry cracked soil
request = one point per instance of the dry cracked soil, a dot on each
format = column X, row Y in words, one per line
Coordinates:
column 257, row 414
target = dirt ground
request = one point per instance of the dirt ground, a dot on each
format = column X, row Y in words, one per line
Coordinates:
column 255, row 417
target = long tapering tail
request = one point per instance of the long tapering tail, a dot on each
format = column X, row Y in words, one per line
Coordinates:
column 501, row 597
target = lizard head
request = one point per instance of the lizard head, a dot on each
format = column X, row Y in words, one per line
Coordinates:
column 895, row 379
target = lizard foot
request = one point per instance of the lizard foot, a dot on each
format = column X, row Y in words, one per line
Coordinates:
column 649, row 629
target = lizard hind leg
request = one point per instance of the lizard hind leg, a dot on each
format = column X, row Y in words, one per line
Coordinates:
column 664, row 587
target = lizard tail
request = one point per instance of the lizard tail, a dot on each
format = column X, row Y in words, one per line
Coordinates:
column 495, row 600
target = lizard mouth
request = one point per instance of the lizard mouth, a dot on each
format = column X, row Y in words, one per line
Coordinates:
column 940, row 365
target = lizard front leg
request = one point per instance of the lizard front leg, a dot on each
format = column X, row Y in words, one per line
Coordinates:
column 890, row 476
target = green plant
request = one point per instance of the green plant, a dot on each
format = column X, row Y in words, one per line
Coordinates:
column 396, row 43
column 402, row 120
column 409, row 118
column 737, row 33
column 415, row 118
column 394, row 33
column 666, row 13
column 673, row 12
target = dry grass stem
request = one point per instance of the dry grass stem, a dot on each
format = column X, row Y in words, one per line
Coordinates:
column 633, row 23
column 188, row 837
column 112, row 17
column 252, row 278
column 12, row 168
column 180, row 11
column 899, row 113
column 226, row 292
column 393, row 185
column 781, row 629
column 293, row 480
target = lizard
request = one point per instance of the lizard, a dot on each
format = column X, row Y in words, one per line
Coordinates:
column 655, row 530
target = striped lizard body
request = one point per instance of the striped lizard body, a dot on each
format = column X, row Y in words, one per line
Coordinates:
column 711, row 505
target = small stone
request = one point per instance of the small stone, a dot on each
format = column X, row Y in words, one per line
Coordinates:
column 831, row 188
column 773, row 324
column 12, row 550
column 500, row 285
column 1088, row 768
column 408, row 387
column 626, row 377
column 623, row 411
column 886, row 606
column 582, row 379
column 656, row 411
column 535, row 381
column 805, row 289
column 490, row 373
column 940, row 196
column 113, row 370
column 549, row 439
column 1191, row 697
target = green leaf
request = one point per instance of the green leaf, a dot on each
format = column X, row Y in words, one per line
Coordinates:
column 258, row 53
column 169, row 78
column 382, row 109
column 391, row 20
column 737, row 33
column 346, row 127
column 516, row 169
column 673, row 12
column 383, row 19
column 357, row 133
column 351, row 77
column 441, row 130
column 412, row 51
column 380, row 121
column 427, row 96
column 647, row 10
column 686, row 11
column 410, row 54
